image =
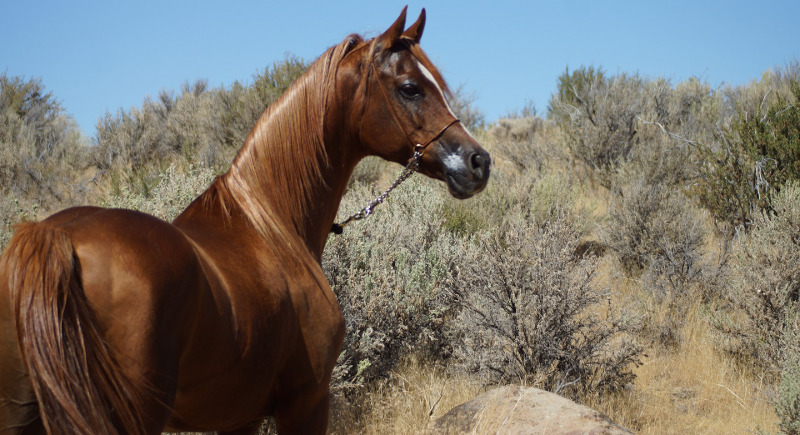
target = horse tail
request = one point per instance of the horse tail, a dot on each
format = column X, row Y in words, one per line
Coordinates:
column 74, row 372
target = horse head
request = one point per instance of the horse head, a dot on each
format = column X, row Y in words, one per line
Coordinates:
column 405, row 109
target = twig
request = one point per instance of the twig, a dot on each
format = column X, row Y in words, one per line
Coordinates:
column 740, row 401
column 672, row 135
column 441, row 394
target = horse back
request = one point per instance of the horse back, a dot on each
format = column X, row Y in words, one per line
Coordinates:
column 138, row 285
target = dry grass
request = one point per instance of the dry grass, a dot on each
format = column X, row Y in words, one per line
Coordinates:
column 692, row 389
column 415, row 394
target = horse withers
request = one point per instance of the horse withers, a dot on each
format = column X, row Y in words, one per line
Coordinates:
column 113, row 321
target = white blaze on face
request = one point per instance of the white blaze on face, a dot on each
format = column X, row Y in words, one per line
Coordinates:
column 428, row 75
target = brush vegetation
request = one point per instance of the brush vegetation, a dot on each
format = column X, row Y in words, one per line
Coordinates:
column 637, row 249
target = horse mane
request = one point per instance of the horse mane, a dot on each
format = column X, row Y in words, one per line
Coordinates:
column 284, row 155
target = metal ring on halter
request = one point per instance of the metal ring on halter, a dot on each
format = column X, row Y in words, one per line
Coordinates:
column 411, row 166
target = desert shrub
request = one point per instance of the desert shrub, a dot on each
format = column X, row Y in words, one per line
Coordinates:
column 41, row 150
column 752, row 99
column 649, row 127
column 388, row 274
column 200, row 126
column 12, row 212
column 244, row 104
column 521, row 141
column 517, row 194
column 369, row 171
column 532, row 314
column 597, row 117
column 653, row 226
column 764, row 286
column 163, row 129
column 690, row 107
column 755, row 157
column 672, row 124
column 572, row 89
column 173, row 192
column 394, row 274
column 657, row 235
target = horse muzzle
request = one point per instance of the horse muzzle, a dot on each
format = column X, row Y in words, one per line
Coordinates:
column 466, row 170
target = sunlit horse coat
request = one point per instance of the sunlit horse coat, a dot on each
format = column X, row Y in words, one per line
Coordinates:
column 113, row 321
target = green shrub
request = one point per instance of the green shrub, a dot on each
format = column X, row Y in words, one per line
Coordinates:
column 758, row 155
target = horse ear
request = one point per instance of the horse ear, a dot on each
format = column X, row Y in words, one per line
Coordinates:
column 391, row 35
column 415, row 31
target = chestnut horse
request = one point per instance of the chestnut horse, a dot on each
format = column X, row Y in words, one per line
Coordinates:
column 113, row 321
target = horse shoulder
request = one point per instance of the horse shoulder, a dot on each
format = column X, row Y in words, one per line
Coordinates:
column 320, row 321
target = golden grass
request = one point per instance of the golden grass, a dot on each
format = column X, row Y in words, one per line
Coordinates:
column 414, row 394
column 691, row 389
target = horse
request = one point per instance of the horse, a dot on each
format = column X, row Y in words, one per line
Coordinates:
column 113, row 321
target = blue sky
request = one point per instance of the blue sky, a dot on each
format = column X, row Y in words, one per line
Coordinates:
column 106, row 55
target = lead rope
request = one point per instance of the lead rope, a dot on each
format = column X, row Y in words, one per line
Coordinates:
column 411, row 167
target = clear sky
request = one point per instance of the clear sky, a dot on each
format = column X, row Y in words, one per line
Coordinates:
column 98, row 56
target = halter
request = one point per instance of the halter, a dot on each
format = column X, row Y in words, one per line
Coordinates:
column 411, row 167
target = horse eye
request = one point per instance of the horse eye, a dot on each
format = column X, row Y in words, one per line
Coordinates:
column 410, row 92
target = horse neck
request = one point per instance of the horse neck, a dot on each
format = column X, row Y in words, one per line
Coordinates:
column 290, row 175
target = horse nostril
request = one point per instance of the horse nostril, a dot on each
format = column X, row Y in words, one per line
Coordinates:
column 478, row 164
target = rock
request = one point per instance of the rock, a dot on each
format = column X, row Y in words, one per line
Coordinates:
column 518, row 410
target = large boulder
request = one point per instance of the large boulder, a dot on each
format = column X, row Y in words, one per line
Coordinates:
column 518, row 410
